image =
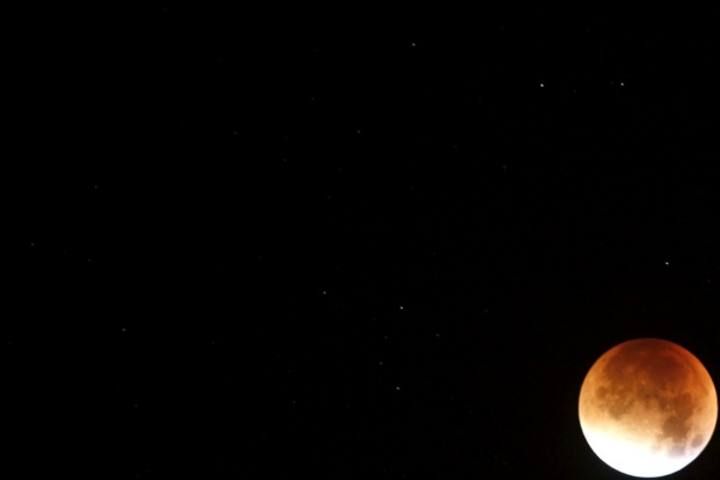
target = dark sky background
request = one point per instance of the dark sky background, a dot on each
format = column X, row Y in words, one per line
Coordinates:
column 252, row 247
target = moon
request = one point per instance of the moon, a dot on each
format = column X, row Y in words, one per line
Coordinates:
column 648, row 407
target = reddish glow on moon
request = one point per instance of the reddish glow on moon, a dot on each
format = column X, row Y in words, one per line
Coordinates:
column 648, row 407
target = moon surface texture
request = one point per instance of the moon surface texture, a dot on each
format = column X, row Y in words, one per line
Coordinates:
column 648, row 407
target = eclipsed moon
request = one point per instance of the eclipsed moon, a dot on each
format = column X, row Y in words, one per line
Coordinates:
column 648, row 407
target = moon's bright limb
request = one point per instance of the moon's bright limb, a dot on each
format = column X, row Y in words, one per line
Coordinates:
column 648, row 407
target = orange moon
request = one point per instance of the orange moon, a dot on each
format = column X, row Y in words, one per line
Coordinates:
column 648, row 407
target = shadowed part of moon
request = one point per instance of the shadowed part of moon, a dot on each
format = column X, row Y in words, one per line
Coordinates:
column 664, row 380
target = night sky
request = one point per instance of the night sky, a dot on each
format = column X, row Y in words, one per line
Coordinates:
column 261, row 246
